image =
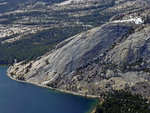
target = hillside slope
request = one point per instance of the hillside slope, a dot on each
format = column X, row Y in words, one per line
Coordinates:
column 41, row 24
column 113, row 56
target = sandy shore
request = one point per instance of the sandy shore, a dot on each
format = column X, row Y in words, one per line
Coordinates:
column 44, row 86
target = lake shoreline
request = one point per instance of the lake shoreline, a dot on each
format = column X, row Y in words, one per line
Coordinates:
column 44, row 86
column 59, row 90
column 38, row 100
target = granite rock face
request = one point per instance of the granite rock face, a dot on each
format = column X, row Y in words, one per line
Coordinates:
column 73, row 53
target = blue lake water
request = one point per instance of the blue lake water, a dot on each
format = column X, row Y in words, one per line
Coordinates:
column 16, row 97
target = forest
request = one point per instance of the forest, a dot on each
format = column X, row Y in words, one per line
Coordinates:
column 37, row 44
column 123, row 102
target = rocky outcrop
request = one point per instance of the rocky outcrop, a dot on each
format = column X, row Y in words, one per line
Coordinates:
column 134, row 48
